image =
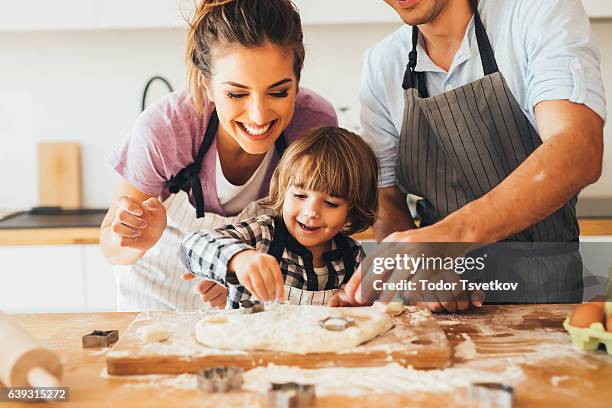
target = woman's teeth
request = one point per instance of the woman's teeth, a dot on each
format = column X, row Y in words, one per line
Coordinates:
column 255, row 130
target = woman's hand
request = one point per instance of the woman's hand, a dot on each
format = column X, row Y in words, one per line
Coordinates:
column 260, row 273
column 138, row 225
column 213, row 294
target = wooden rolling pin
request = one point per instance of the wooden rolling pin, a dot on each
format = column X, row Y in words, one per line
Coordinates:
column 23, row 361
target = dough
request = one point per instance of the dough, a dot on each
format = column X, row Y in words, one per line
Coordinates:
column 291, row 328
column 393, row 308
column 154, row 333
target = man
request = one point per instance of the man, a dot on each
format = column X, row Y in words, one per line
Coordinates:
column 498, row 124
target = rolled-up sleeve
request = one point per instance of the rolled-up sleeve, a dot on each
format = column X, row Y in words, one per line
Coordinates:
column 563, row 61
column 207, row 254
column 376, row 122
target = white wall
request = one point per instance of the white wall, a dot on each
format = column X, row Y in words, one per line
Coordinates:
column 87, row 85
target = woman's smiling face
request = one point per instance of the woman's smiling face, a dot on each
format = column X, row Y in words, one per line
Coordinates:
column 254, row 91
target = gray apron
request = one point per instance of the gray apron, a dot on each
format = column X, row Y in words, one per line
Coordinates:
column 457, row 146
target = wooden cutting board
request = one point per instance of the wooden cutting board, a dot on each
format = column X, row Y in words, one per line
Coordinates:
column 59, row 174
column 416, row 340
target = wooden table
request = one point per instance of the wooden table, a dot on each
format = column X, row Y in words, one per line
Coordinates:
column 487, row 339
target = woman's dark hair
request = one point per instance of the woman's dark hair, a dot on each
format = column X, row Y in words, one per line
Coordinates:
column 218, row 24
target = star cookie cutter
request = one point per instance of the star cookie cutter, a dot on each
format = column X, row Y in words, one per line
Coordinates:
column 291, row 395
column 220, row 379
column 491, row 395
column 339, row 323
column 250, row 307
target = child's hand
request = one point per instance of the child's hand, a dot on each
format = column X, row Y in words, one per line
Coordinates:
column 213, row 294
column 260, row 273
column 339, row 299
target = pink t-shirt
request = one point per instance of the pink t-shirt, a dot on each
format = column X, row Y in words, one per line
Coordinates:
column 166, row 138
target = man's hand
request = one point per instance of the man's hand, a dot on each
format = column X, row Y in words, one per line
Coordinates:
column 423, row 243
column 260, row 273
column 213, row 294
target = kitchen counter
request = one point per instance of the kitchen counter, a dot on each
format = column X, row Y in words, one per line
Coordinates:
column 89, row 235
column 526, row 338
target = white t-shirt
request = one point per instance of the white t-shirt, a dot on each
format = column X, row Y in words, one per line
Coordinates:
column 234, row 198
column 322, row 275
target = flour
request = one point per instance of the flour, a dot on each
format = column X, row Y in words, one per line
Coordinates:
column 466, row 349
column 555, row 380
column 390, row 379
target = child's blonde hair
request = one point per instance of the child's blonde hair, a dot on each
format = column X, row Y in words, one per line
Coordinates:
column 335, row 161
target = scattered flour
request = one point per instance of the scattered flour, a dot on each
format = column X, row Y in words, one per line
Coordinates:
column 390, row 379
column 466, row 349
column 557, row 379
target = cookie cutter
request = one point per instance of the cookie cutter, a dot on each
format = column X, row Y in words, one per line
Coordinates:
column 483, row 395
column 250, row 307
column 100, row 338
column 290, row 395
column 220, row 379
column 339, row 323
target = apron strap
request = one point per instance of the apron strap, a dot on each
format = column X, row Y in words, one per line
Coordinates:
column 416, row 79
column 279, row 240
column 189, row 178
column 489, row 64
column 348, row 257
column 281, row 145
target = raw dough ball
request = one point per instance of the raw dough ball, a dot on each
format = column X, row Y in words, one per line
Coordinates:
column 154, row 333
column 393, row 308
column 291, row 329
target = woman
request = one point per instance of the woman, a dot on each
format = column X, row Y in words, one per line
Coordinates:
column 214, row 148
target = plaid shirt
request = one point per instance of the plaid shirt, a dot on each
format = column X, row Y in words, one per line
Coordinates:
column 206, row 254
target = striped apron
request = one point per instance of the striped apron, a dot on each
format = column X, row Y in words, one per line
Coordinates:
column 457, row 146
column 154, row 282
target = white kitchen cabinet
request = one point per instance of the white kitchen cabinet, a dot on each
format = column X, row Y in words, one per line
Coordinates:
column 34, row 15
column 142, row 13
column 42, row 278
column 345, row 12
column 55, row 278
column 47, row 15
column 100, row 293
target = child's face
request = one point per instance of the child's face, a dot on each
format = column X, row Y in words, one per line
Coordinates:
column 313, row 218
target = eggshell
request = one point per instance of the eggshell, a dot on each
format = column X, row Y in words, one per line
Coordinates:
column 586, row 314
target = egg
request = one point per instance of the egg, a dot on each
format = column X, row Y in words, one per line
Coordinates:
column 586, row 314
column 609, row 324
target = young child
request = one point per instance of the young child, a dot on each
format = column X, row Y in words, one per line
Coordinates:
column 323, row 190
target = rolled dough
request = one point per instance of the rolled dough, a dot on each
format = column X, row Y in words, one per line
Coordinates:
column 393, row 308
column 291, row 328
column 154, row 333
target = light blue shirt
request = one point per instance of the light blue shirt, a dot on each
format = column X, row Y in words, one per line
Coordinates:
column 543, row 48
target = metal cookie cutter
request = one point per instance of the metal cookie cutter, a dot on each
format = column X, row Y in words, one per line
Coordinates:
column 483, row 395
column 248, row 307
column 291, row 395
column 339, row 323
column 100, row 338
column 220, row 379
